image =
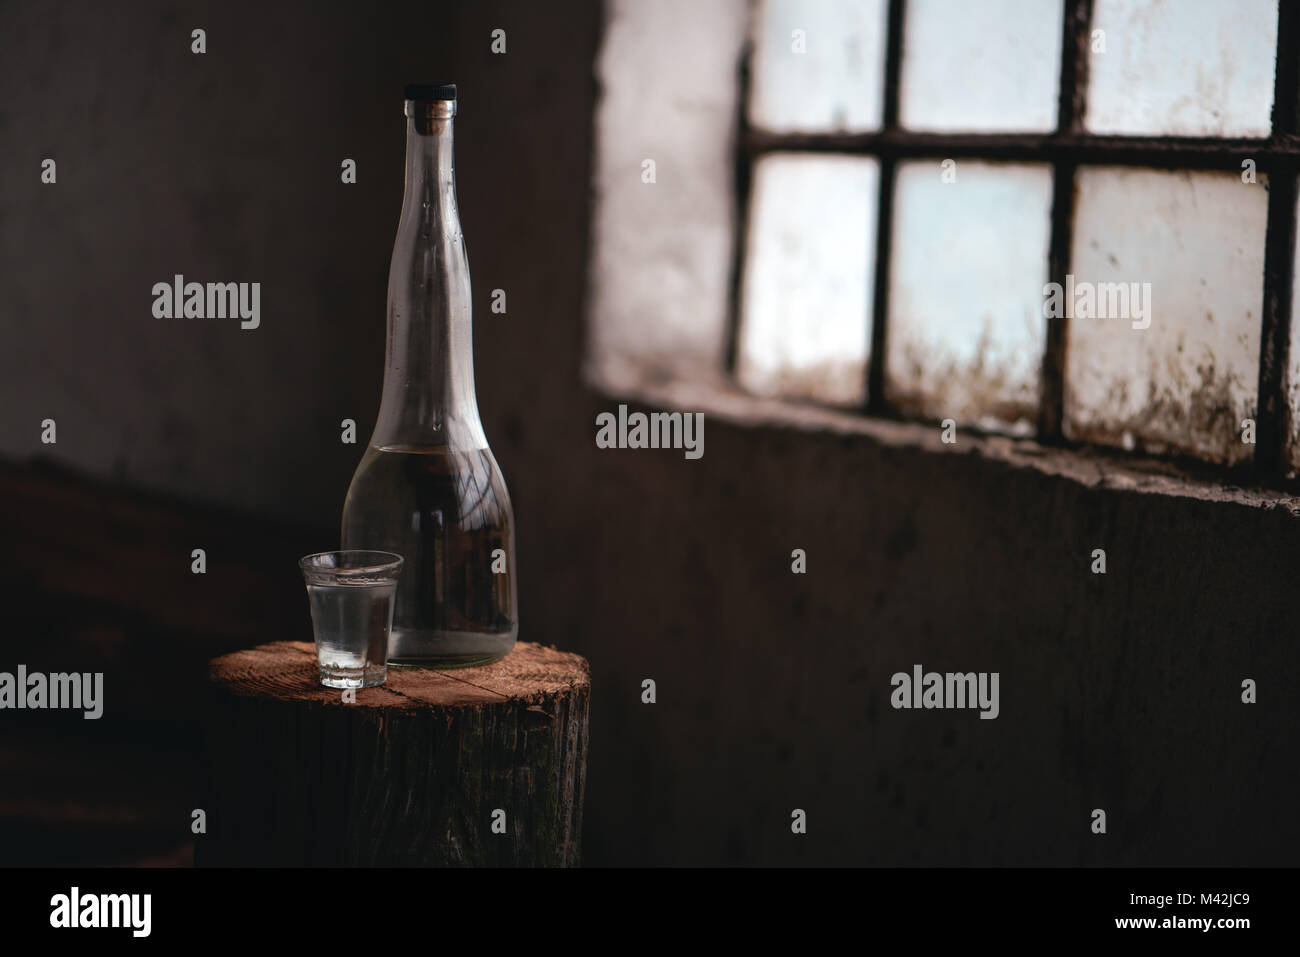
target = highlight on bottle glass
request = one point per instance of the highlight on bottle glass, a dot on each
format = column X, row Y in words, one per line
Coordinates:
column 351, row 594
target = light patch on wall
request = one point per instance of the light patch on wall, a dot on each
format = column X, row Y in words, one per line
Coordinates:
column 661, row 252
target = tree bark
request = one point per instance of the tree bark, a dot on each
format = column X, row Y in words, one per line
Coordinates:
column 476, row 767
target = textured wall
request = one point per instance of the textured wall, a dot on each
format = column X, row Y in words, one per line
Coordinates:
column 1118, row 691
column 226, row 167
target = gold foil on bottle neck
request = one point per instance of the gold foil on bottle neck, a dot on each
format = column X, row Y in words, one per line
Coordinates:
column 431, row 109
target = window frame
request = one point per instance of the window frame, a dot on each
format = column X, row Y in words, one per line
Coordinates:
column 1064, row 149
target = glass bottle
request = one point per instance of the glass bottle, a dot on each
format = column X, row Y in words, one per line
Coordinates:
column 428, row 487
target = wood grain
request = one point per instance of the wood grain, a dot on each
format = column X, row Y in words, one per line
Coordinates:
column 410, row 773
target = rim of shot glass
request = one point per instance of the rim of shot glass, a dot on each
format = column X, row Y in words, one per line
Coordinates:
column 351, row 566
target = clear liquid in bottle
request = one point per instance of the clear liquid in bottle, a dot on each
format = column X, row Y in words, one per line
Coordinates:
column 447, row 512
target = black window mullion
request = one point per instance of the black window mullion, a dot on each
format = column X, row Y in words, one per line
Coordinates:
column 1272, row 412
column 1150, row 152
column 743, row 181
column 884, row 224
column 1071, row 103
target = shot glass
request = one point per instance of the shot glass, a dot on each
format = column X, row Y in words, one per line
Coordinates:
column 351, row 595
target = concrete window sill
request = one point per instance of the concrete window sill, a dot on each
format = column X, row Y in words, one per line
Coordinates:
column 1089, row 466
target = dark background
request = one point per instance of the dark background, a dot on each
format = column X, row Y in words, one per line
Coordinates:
column 1119, row 691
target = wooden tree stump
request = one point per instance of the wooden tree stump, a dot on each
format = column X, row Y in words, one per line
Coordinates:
column 415, row 772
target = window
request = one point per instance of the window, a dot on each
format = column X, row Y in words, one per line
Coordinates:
column 1067, row 220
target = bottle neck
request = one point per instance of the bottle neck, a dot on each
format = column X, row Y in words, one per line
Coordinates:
column 428, row 398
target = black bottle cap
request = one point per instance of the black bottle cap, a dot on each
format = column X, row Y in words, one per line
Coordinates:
column 428, row 92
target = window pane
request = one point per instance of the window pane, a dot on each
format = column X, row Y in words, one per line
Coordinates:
column 966, row 328
column 992, row 66
column 1191, row 68
column 1170, row 359
column 806, row 295
column 818, row 65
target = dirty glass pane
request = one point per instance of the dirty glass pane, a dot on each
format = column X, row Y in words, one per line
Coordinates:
column 1166, row 285
column 1191, row 68
column 806, row 293
column 818, row 65
column 991, row 67
column 966, row 328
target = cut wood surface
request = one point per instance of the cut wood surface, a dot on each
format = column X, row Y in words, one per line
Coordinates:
column 477, row 766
